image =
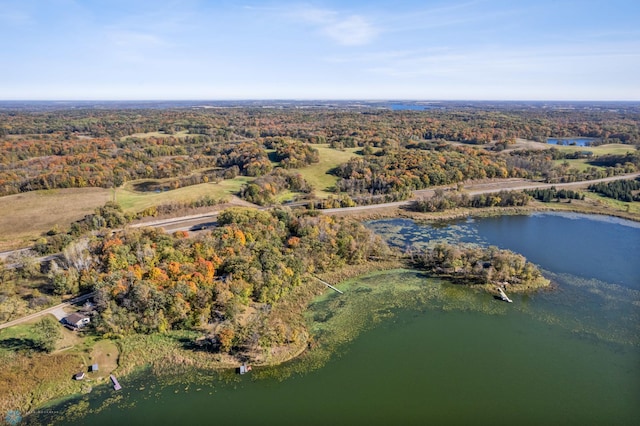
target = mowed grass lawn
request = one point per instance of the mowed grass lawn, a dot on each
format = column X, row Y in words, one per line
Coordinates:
column 318, row 174
column 24, row 217
column 34, row 378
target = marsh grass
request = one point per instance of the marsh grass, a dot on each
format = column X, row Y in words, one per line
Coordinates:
column 30, row 379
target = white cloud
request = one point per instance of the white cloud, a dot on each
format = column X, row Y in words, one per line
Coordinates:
column 135, row 40
column 352, row 31
column 348, row 30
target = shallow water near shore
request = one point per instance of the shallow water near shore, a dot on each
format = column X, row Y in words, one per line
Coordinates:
column 401, row 348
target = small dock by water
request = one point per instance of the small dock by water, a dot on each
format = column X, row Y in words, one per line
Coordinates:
column 328, row 285
column 116, row 385
column 503, row 295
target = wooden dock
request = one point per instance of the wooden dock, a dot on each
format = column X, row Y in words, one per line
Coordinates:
column 328, row 285
column 503, row 295
column 116, row 385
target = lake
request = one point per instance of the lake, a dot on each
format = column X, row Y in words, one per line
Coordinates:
column 570, row 141
column 412, row 107
column 401, row 348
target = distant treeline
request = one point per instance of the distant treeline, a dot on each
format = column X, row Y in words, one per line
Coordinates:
column 79, row 148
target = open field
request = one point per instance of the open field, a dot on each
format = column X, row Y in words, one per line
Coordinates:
column 180, row 134
column 581, row 164
column 18, row 336
column 614, row 148
column 318, row 174
column 24, row 217
column 134, row 201
column 521, row 144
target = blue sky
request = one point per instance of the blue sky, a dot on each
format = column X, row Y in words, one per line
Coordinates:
column 198, row 49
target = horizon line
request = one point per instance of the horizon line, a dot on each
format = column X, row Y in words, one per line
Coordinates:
column 320, row 100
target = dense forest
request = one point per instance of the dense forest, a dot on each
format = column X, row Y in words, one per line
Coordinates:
column 108, row 147
column 149, row 281
column 396, row 170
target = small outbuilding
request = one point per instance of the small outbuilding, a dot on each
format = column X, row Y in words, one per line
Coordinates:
column 79, row 376
column 93, row 367
column 76, row 320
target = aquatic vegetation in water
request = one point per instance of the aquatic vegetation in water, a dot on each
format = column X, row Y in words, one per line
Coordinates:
column 337, row 320
column 405, row 234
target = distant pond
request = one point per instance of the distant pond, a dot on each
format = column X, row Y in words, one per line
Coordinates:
column 570, row 141
column 416, row 350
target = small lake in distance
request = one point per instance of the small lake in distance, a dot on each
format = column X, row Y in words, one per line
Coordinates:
column 570, row 141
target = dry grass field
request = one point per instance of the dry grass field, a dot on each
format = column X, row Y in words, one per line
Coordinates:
column 24, row 217
column 147, row 135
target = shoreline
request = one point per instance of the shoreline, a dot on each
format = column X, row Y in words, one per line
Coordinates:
column 384, row 212
column 171, row 360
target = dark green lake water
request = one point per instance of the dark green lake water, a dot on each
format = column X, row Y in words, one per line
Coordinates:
column 445, row 354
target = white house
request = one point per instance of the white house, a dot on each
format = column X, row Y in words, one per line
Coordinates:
column 77, row 320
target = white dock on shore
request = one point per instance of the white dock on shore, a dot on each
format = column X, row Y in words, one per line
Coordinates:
column 116, row 385
column 328, row 285
column 503, row 295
